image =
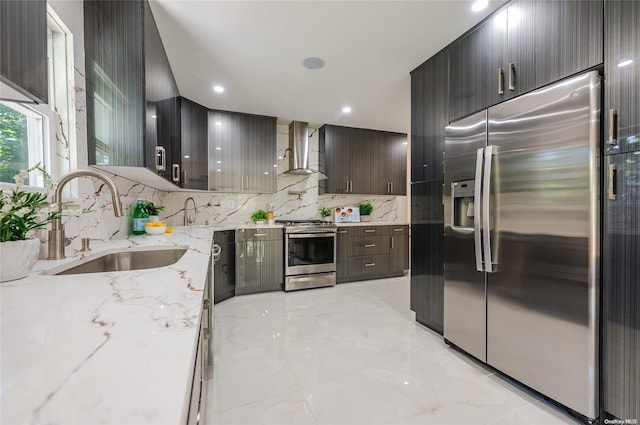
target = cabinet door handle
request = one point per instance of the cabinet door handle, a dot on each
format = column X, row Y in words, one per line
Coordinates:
column 398, row 230
column 161, row 158
column 184, row 178
column 346, row 188
column 369, row 245
column 369, row 264
column 613, row 184
column 216, row 252
column 500, row 81
column 370, row 230
column 247, row 187
column 261, row 234
column 512, row 76
column 241, row 182
column 342, row 231
column 391, row 187
column 175, row 173
column 613, row 127
column 392, row 242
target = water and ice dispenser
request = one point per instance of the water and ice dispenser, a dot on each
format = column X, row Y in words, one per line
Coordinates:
column 462, row 194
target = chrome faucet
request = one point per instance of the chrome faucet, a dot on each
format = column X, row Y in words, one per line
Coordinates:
column 56, row 234
column 187, row 220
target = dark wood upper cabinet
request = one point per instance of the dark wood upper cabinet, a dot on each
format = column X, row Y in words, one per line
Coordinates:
column 242, row 152
column 522, row 47
column 160, row 89
column 429, row 117
column 182, row 128
column 363, row 161
column 23, row 47
column 344, row 165
column 622, row 77
column 114, row 66
column 477, row 67
column 193, row 145
column 549, row 40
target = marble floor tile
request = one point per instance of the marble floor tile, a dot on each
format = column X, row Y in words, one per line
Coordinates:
column 352, row 354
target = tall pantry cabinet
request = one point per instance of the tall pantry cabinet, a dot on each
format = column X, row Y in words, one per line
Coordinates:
column 621, row 197
column 429, row 111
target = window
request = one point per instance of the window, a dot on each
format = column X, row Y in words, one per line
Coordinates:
column 30, row 133
column 22, row 141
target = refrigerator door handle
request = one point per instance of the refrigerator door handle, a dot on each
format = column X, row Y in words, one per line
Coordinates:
column 477, row 196
column 486, row 191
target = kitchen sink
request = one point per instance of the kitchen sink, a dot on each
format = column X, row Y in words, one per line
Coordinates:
column 130, row 259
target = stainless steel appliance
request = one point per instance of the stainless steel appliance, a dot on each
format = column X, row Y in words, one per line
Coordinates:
column 521, row 239
column 310, row 254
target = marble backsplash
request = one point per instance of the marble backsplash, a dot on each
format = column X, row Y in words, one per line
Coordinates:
column 296, row 197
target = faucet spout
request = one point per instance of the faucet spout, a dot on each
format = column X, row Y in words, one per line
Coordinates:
column 56, row 234
column 188, row 220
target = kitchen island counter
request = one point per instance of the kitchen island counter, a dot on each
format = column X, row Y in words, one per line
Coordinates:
column 112, row 348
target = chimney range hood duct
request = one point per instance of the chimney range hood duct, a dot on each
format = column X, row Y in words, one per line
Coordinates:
column 299, row 149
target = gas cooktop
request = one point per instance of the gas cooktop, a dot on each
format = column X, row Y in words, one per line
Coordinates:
column 307, row 226
column 311, row 223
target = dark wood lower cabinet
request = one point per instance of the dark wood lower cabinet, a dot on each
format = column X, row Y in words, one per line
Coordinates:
column 621, row 290
column 224, row 270
column 427, row 254
column 342, row 255
column 371, row 252
column 259, row 261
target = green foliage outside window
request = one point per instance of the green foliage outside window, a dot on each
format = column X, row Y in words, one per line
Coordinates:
column 13, row 144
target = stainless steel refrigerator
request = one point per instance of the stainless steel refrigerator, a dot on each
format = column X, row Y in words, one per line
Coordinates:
column 521, row 205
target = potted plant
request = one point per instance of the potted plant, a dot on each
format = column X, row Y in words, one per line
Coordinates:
column 154, row 211
column 325, row 212
column 365, row 211
column 259, row 217
column 21, row 213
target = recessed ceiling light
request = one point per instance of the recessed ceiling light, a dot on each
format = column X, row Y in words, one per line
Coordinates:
column 625, row 62
column 218, row 148
column 313, row 63
column 218, row 123
column 155, row 116
column 187, row 156
column 218, row 89
column 478, row 5
column 346, row 109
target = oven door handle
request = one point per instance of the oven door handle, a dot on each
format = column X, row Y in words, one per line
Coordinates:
column 310, row 235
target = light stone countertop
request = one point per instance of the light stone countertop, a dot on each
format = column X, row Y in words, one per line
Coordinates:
column 109, row 348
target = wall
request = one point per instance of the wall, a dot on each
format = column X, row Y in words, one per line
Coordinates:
column 214, row 208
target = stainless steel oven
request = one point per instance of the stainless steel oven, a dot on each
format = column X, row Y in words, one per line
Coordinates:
column 310, row 254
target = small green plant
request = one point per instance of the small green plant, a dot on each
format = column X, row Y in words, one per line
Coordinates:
column 21, row 211
column 259, row 215
column 365, row 208
column 153, row 209
column 325, row 212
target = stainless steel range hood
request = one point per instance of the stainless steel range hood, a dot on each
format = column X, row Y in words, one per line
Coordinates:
column 299, row 150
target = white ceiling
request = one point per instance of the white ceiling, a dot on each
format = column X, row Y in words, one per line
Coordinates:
column 255, row 50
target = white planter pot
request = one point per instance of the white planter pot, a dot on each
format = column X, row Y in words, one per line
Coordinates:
column 365, row 218
column 17, row 258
